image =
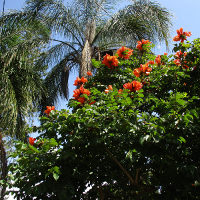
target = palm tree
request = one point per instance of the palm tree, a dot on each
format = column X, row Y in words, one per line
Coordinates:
column 84, row 28
column 21, row 83
column 20, row 80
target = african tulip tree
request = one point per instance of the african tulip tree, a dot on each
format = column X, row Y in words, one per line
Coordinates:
column 138, row 139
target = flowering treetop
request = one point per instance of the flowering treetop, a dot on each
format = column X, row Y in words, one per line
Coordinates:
column 181, row 36
column 134, row 124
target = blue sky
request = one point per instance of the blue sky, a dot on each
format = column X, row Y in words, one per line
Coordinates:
column 185, row 14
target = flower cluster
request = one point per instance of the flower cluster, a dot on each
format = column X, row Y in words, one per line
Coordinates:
column 80, row 81
column 124, row 52
column 158, row 60
column 133, row 86
column 151, row 62
column 108, row 89
column 79, row 94
column 110, row 61
column 49, row 109
column 181, row 36
column 141, row 44
column 142, row 70
column 180, row 56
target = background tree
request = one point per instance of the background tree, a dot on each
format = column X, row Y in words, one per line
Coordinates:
column 20, row 80
column 87, row 28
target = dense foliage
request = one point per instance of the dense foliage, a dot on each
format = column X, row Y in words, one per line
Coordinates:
column 133, row 132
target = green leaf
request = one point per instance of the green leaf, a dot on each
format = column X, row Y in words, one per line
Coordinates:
column 53, row 142
column 182, row 140
column 55, row 176
column 34, row 149
column 140, row 95
column 181, row 102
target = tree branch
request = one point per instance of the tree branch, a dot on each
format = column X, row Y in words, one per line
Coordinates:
column 120, row 166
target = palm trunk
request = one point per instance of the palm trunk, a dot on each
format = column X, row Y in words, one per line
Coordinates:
column 86, row 64
column 86, row 57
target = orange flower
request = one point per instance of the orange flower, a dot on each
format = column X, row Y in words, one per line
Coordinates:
column 128, row 86
column 177, row 62
column 108, row 89
column 110, row 61
column 181, row 36
column 180, row 54
column 141, row 43
column 31, row 141
column 124, row 52
column 137, row 72
column 120, row 91
column 84, row 80
column 89, row 73
column 158, row 60
column 144, row 69
column 81, row 100
column 185, row 66
column 78, row 92
column 49, row 109
column 79, row 81
column 137, row 85
column 151, row 62
column 180, row 59
column 85, row 91
column 133, row 86
column 165, row 54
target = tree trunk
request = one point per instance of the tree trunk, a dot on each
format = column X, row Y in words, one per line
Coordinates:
column 86, row 57
column 4, row 168
column 86, row 64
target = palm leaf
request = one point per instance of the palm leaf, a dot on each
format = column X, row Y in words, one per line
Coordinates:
column 141, row 20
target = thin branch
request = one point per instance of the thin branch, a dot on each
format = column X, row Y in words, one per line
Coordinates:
column 120, row 166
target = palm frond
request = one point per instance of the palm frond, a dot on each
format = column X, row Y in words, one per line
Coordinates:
column 20, row 81
column 141, row 20
column 58, row 18
column 56, row 81
column 54, row 84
